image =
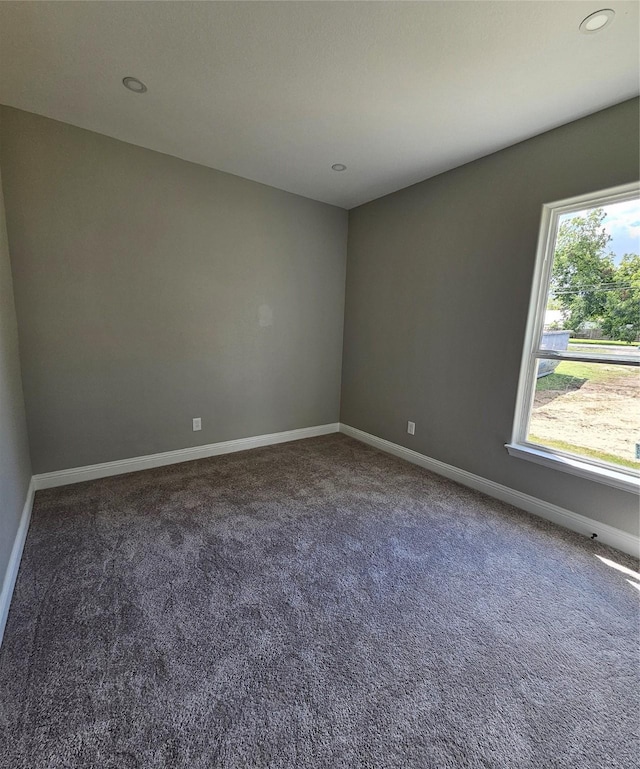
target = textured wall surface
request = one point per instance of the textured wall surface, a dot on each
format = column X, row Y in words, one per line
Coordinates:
column 15, row 466
column 150, row 291
column 438, row 284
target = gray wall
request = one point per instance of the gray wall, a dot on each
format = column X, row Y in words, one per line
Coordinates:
column 438, row 284
column 150, row 291
column 15, row 466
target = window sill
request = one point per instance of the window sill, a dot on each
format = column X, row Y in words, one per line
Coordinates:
column 609, row 476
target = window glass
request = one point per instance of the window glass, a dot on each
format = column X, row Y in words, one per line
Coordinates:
column 580, row 391
column 594, row 286
column 588, row 409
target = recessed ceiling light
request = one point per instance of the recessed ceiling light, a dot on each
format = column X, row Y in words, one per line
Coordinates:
column 339, row 167
column 597, row 21
column 133, row 84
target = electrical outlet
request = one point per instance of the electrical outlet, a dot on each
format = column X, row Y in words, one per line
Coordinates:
column 411, row 428
column 197, row 424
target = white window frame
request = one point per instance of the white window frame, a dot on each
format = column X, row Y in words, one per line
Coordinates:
column 629, row 480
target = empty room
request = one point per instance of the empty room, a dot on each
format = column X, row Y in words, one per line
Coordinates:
column 319, row 385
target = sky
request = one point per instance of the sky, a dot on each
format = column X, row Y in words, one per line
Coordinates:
column 622, row 222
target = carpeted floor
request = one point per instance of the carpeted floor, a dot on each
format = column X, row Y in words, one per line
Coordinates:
column 313, row 604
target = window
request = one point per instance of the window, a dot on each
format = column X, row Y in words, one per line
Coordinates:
column 578, row 406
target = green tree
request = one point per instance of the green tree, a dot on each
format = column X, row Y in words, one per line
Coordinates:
column 622, row 311
column 582, row 271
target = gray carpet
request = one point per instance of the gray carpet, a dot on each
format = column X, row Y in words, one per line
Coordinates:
column 313, row 604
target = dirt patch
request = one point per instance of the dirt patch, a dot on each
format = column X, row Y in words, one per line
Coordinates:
column 542, row 397
column 603, row 416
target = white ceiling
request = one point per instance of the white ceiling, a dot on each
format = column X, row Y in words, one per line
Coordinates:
column 279, row 91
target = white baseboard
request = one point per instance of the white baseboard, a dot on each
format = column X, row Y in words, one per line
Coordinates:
column 121, row 466
column 608, row 535
column 11, row 573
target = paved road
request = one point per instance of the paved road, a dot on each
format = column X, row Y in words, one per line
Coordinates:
column 608, row 349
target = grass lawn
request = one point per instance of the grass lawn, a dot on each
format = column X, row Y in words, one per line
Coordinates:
column 603, row 342
column 559, row 381
column 582, row 451
column 571, row 374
